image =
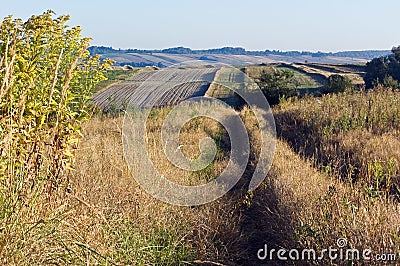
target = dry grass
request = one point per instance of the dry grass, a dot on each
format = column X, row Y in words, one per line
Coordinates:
column 105, row 218
column 255, row 71
column 298, row 205
column 113, row 203
column 352, row 135
column 304, row 208
column 356, row 78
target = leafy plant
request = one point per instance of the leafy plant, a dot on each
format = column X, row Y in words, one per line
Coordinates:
column 337, row 83
column 277, row 85
column 46, row 80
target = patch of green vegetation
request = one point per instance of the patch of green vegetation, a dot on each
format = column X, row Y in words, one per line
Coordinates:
column 159, row 246
column 384, row 70
column 115, row 76
column 337, row 83
column 300, row 80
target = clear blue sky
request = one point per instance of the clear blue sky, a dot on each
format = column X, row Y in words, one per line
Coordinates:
column 310, row 25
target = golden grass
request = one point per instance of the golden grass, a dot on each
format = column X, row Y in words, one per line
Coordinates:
column 353, row 135
column 105, row 218
column 103, row 182
column 297, row 206
column 322, row 209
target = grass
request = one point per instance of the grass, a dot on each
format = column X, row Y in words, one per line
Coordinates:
column 230, row 231
column 302, row 80
column 348, row 134
column 102, row 216
column 328, row 70
column 221, row 87
column 115, row 76
column 131, row 226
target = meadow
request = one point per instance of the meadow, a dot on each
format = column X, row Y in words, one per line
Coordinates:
column 334, row 175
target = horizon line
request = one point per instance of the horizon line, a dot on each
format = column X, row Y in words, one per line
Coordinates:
column 221, row 47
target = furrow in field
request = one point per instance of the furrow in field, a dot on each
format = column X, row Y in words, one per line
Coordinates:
column 166, row 87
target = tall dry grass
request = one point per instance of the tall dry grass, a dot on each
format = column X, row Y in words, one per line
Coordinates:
column 353, row 135
column 302, row 205
column 126, row 225
column 298, row 206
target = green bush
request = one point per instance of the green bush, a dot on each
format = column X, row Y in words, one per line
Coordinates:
column 337, row 83
column 390, row 82
column 277, row 85
column 46, row 80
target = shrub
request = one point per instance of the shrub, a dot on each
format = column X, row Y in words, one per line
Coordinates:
column 277, row 85
column 337, row 83
column 390, row 82
column 46, row 79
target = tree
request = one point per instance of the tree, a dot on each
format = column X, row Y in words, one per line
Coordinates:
column 396, row 52
column 382, row 68
column 337, row 83
column 277, row 84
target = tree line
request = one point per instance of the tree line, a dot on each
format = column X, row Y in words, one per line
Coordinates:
column 241, row 51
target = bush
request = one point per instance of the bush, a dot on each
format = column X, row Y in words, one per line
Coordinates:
column 277, row 85
column 390, row 82
column 46, row 78
column 337, row 83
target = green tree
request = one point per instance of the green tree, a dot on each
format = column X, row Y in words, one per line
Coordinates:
column 277, row 84
column 396, row 52
column 379, row 69
column 337, row 83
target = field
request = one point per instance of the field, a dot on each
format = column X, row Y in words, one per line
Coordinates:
column 122, row 90
column 336, row 147
column 166, row 60
column 343, row 148
column 161, row 88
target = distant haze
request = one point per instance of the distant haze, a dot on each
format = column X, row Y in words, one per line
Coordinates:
column 308, row 25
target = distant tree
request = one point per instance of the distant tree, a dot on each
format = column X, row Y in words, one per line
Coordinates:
column 277, row 84
column 177, row 50
column 94, row 50
column 337, row 83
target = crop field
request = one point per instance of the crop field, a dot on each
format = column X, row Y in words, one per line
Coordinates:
column 353, row 72
column 117, row 95
column 225, row 80
column 231, row 59
column 312, row 75
column 173, row 85
column 159, row 88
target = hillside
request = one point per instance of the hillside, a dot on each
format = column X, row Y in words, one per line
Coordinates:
column 229, row 55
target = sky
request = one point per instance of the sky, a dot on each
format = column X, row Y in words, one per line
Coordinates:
column 308, row 25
